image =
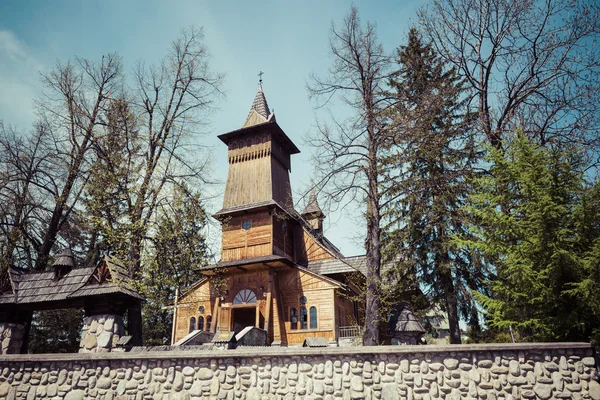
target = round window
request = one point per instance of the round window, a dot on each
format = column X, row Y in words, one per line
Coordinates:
column 201, row 309
column 303, row 300
column 246, row 224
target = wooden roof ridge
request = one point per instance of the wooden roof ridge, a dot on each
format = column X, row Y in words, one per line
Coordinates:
column 324, row 277
column 115, row 280
column 244, row 207
column 7, row 278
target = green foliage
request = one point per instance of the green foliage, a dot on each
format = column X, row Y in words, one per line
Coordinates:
column 108, row 194
column 537, row 224
column 177, row 249
column 436, row 158
column 56, row 331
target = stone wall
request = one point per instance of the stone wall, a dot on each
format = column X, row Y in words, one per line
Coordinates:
column 11, row 337
column 561, row 370
column 100, row 333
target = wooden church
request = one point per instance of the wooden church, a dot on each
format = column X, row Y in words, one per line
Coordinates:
column 277, row 271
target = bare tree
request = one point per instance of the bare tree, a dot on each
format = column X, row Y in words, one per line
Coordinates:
column 26, row 167
column 47, row 170
column 532, row 63
column 349, row 153
column 72, row 112
column 172, row 103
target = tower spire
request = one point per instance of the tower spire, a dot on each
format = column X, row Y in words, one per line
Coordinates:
column 259, row 112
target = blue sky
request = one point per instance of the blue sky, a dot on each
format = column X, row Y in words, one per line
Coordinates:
column 287, row 40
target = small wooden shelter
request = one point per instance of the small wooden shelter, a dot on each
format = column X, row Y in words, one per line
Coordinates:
column 103, row 291
column 277, row 271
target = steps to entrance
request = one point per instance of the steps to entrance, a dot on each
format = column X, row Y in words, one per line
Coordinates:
column 195, row 338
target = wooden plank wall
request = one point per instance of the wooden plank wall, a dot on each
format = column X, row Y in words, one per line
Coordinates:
column 239, row 244
column 252, row 280
column 283, row 235
column 332, row 309
column 319, row 293
column 188, row 307
column 249, row 176
column 282, row 189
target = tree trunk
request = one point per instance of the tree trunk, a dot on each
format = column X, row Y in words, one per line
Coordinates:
column 451, row 307
column 373, row 245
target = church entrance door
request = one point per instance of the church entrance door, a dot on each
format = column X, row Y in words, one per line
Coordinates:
column 243, row 317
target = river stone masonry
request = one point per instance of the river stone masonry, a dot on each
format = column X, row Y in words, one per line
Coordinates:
column 11, row 337
column 101, row 333
column 525, row 371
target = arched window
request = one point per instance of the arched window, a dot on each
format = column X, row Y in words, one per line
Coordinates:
column 208, row 322
column 201, row 323
column 303, row 318
column 293, row 318
column 192, row 324
column 245, row 296
column 313, row 317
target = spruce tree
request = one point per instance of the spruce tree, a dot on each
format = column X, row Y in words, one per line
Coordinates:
column 436, row 158
column 538, row 225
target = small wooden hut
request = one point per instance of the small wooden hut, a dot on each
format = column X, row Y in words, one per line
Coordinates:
column 277, row 271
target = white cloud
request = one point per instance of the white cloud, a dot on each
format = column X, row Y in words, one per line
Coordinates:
column 19, row 81
column 11, row 47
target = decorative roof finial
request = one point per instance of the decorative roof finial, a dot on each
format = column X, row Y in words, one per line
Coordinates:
column 260, row 74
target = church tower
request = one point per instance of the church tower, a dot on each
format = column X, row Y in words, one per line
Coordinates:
column 258, row 195
column 278, row 273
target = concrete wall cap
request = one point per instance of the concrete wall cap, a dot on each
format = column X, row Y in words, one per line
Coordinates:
column 286, row 352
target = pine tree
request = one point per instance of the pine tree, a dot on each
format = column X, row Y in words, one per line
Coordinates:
column 436, row 158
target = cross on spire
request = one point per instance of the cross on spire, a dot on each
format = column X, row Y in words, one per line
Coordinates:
column 260, row 74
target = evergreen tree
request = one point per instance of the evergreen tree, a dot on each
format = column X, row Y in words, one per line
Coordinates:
column 436, row 158
column 538, row 226
column 174, row 254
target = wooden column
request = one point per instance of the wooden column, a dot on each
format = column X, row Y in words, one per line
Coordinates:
column 215, row 315
column 279, row 332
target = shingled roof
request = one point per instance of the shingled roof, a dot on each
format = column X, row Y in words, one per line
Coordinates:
column 108, row 276
column 259, row 112
column 312, row 207
column 339, row 265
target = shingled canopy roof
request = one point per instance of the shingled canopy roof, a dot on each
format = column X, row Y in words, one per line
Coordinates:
column 312, row 207
column 259, row 112
column 108, row 276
